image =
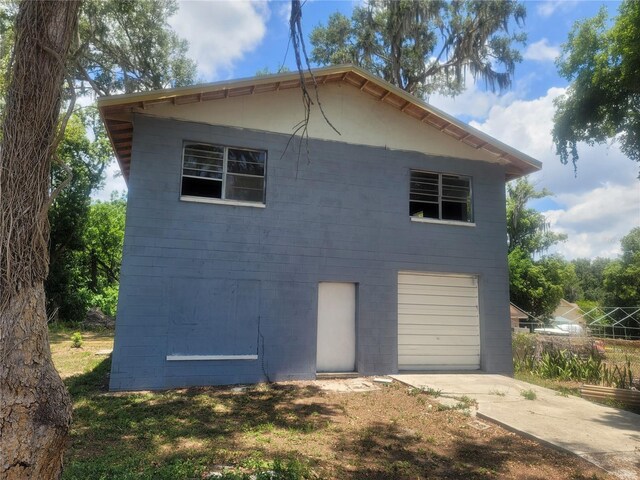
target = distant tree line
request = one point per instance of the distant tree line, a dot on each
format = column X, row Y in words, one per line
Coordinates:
column 539, row 280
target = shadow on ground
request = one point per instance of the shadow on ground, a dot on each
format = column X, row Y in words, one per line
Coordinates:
column 184, row 433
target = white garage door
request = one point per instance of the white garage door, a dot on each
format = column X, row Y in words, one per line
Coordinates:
column 438, row 322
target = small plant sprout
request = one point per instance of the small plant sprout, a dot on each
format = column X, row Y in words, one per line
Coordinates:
column 76, row 340
column 433, row 392
column 499, row 393
column 529, row 394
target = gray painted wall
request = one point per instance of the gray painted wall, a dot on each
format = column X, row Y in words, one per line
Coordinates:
column 216, row 279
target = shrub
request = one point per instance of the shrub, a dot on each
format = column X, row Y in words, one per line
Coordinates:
column 567, row 365
column 107, row 300
column 619, row 376
column 563, row 358
column 529, row 394
column 76, row 340
column 524, row 350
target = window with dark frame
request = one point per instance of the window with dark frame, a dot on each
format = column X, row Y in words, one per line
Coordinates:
column 225, row 173
column 440, row 196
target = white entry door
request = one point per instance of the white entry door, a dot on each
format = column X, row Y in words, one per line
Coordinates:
column 336, row 327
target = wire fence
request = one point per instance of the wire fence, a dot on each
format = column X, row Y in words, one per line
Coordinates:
column 600, row 345
column 621, row 323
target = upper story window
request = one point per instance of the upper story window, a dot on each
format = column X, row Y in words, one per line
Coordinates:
column 225, row 173
column 440, row 196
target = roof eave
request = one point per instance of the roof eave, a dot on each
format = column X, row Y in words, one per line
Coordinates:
column 119, row 108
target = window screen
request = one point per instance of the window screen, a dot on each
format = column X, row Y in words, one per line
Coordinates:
column 440, row 196
column 214, row 171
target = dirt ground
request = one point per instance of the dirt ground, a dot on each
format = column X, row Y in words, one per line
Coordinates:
column 329, row 429
column 394, row 432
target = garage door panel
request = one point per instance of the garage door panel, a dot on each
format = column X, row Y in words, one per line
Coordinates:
column 461, row 330
column 438, row 340
column 438, row 300
column 437, row 310
column 438, row 322
column 439, row 362
column 436, row 280
column 438, row 290
column 441, row 350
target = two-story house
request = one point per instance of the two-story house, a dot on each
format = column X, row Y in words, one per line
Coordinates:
column 254, row 255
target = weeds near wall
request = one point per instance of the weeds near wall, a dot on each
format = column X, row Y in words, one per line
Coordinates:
column 583, row 360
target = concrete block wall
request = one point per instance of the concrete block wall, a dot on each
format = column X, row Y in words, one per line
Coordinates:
column 207, row 279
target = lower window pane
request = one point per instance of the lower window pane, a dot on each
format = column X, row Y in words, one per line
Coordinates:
column 248, row 189
column 455, row 211
column 196, row 187
column 423, row 210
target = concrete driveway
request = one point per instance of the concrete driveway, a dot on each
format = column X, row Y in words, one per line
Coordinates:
column 605, row 436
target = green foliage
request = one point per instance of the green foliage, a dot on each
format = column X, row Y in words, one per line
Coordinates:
column 590, row 281
column 536, row 286
column 552, row 361
column 128, row 46
column 602, row 62
column 527, row 229
column 267, row 71
column 123, row 46
column 566, row 365
column 622, row 277
column 617, row 376
column 76, row 340
column 68, row 216
column 104, row 237
column 529, row 394
column 426, row 46
column 106, row 299
column 86, row 273
column 278, row 469
column 426, row 391
column 6, row 45
column 524, row 350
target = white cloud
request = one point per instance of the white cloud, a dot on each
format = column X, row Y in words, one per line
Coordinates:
column 549, row 7
column 472, row 102
column 595, row 221
column 220, row 32
column 114, row 182
column 284, row 11
column 597, row 207
column 541, row 51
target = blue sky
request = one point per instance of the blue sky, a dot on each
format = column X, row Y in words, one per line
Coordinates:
column 234, row 39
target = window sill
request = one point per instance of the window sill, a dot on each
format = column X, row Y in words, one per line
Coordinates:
column 442, row 222
column 218, row 201
column 189, row 358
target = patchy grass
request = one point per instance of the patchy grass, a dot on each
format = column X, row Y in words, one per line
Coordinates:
column 563, row 387
column 529, row 394
column 286, row 431
column 499, row 393
column 70, row 360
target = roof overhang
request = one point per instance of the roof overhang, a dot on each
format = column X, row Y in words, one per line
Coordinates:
column 117, row 111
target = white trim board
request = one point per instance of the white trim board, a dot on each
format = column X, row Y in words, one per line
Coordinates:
column 182, row 358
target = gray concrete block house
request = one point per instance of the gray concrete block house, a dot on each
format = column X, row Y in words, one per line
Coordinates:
column 250, row 256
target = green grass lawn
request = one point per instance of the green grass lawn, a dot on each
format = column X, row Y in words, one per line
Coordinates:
column 75, row 361
column 286, row 431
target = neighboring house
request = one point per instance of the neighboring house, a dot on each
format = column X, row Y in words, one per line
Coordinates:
column 519, row 319
column 570, row 311
column 251, row 255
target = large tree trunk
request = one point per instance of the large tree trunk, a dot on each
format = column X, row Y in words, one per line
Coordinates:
column 35, row 408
